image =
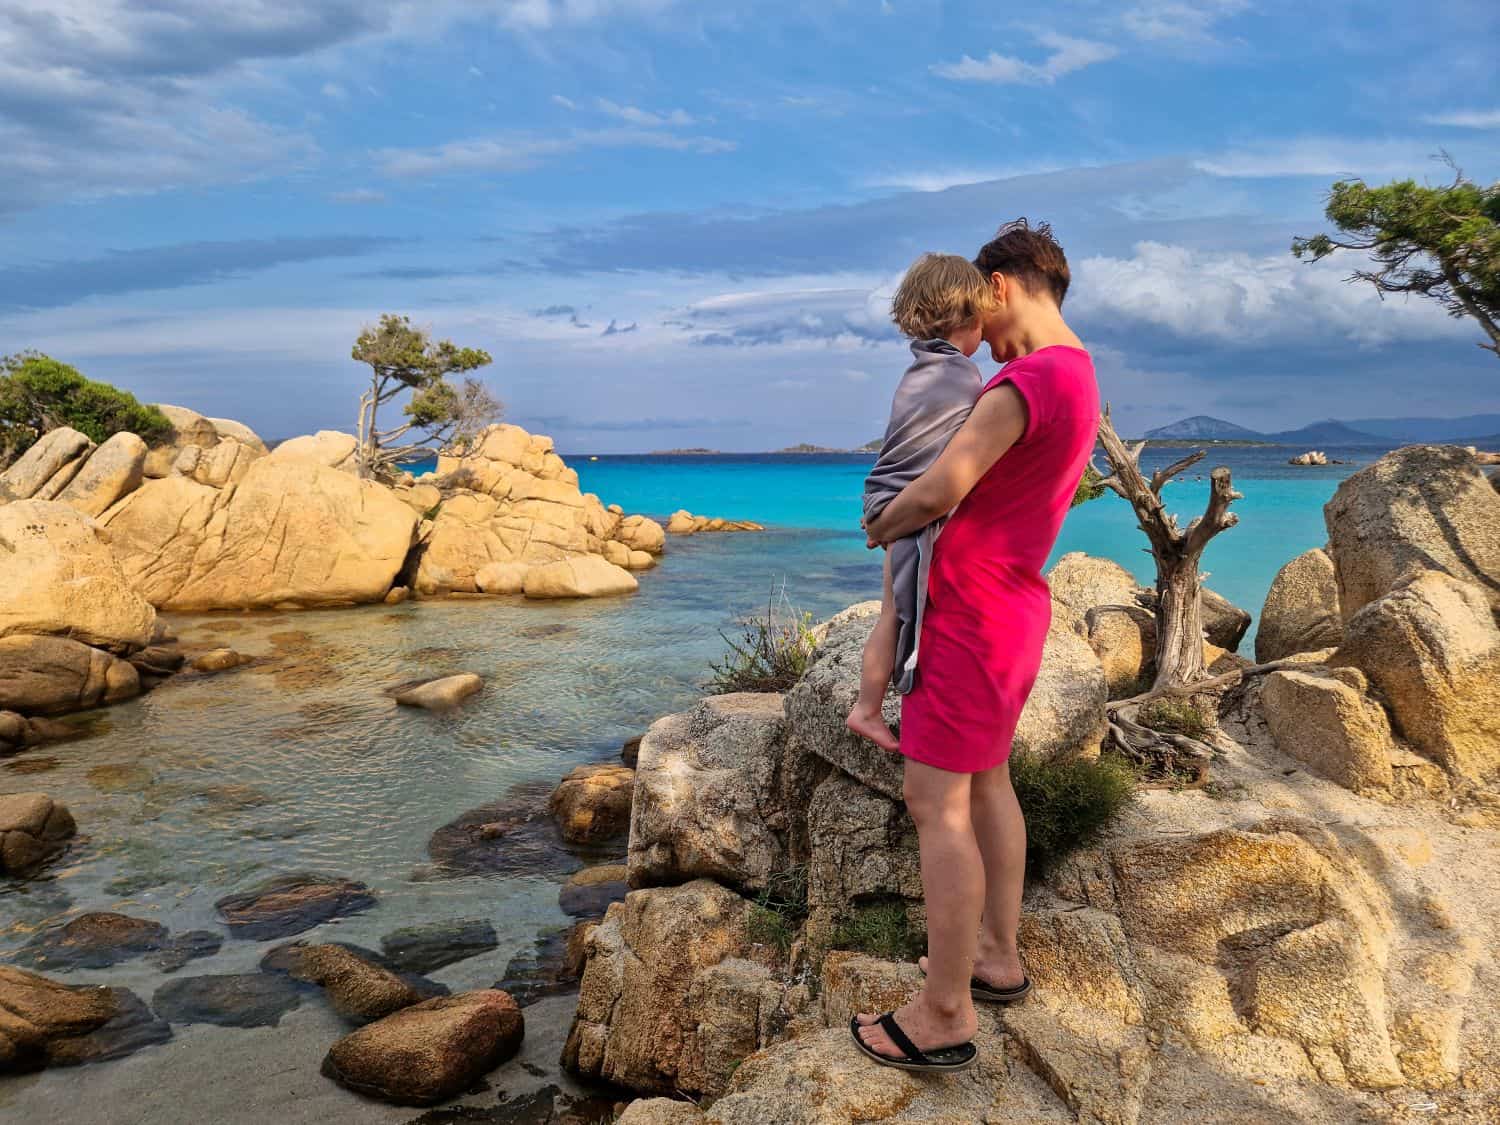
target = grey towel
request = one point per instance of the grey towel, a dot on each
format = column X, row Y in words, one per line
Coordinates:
column 933, row 399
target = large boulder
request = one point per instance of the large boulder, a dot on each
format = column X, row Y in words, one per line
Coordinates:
column 580, row 576
column 862, row 848
column 1064, row 714
column 111, row 472
column 1301, row 613
column 329, row 448
column 707, row 800
column 62, row 579
column 641, row 534
column 634, row 1025
column 51, row 675
column 1432, row 650
column 292, row 534
column 1327, row 721
column 1423, row 507
column 430, row 1051
column 56, row 454
column 33, row 828
column 189, row 428
column 38, row 1016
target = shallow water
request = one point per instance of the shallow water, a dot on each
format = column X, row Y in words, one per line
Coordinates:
column 299, row 761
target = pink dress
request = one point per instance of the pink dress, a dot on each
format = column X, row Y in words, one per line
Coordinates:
column 988, row 606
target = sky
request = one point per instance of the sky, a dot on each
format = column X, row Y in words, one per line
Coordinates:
column 679, row 224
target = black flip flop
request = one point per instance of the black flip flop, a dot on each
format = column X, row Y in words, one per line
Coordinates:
column 982, row 991
column 960, row 1056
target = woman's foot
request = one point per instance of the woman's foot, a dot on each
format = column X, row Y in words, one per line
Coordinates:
column 924, row 1025
column 872, row 725
column 995, row 970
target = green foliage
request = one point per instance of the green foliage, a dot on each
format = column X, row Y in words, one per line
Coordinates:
column 1068, row 804
column 1173, row 716
column 406, row 361
column 39, row 393
column 778, row 912
column 1437, row 242
column 771, row 654
column 1090, row 486
column 881, row 929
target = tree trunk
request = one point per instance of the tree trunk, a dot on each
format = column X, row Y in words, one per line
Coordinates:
column 1179, row 620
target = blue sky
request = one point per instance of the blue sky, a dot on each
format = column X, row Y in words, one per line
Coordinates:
column 680, row 224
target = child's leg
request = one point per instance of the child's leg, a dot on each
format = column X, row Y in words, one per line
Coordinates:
column 875, row 671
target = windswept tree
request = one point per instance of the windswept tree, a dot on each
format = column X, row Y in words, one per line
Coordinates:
column 406, row 361
column 1437, row 242
column 39, row 393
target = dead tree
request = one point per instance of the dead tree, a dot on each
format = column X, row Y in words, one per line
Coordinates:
column 1180, row 669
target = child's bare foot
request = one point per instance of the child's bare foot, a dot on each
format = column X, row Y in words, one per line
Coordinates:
column 870, row 724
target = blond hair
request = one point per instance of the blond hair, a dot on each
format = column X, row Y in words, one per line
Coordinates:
column 939, row 295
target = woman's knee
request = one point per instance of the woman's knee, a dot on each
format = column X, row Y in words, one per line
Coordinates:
column 933, row 805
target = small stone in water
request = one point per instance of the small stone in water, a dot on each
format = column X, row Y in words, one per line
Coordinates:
column 228, row 1000
column 421, row 949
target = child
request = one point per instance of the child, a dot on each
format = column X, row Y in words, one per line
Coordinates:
column 939, row 306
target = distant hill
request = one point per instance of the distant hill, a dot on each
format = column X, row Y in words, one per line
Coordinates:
column 1434, row 430
column 1200, row 427
column 1329, row 432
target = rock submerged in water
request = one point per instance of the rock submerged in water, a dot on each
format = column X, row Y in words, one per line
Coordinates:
column 588, row 893
column 44, row 1023
column 359, row 989
column 431, row 1051
column 440, row 694
column 288, row 904
column 33, row 828
column 227, row 999
column 100, row 939
column 219, row 660
column 421, row 949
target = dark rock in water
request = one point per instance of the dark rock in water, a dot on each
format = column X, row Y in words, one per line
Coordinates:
column 537, row 632
column 512, row 836
column 230, row 798
column 158, row 661
column 228, row 1000
column 33, row 829
column 289, row 904
column 132, row 1028
column 286, row 960
column 33, row 765
column 92, row 941
column 547, row 1106
column 278, row 829
column 431, row 1051
column 588, row 893
column 630, row 752
column 187, row 947
column 421, row 949
column 544, row 970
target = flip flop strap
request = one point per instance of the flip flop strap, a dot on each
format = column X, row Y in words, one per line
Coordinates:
column 898, row 1037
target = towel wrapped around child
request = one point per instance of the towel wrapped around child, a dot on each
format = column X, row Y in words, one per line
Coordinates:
column 933, row 399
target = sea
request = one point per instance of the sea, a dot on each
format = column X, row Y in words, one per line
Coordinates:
column 300, row 761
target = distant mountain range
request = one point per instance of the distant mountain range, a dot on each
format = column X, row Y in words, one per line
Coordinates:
column 1365, row 431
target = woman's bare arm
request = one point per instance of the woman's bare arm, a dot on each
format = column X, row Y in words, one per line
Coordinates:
column 997, row 423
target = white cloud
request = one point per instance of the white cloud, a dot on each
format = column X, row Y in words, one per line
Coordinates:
column 517, row 153
column 540, row 15
column 1180, row 21
column 1067, row 55
column 358, row 195
column 636, row 116
column 335, row 91
column 1248, row 301
column 1322, row 156
column 566, row 103
column 1466, row 119
column 941, row 179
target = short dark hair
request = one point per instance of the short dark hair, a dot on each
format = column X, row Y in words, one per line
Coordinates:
column 1031, row 255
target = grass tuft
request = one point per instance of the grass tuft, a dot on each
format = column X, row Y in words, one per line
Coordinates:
column 778, row 912
column 1173, row 716
column 881, row 929
column 772, row 653
column 1068, row 805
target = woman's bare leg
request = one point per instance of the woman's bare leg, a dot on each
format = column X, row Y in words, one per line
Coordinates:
column 942, row 1014
column 1000, row 829
column 875, row 671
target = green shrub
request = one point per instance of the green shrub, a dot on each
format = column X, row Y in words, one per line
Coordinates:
column 38, row 393
column 881, row 929
column 1173, row 716
column 1090, row 486
column 1068, row 804
column 772, row 653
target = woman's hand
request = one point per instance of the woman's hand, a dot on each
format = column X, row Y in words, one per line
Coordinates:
column 997, row 423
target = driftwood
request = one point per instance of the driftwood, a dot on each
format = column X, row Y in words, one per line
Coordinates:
column 1180, row 670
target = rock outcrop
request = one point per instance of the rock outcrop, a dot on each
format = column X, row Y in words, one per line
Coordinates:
column 1423, row 507
column 1327, row 720
column 210, row 451
column 45, row 469
column 592, row 803
column 683, row 522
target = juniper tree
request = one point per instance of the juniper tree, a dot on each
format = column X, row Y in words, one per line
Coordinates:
column 406, row 361
column 39, row 393
column 1437, row 242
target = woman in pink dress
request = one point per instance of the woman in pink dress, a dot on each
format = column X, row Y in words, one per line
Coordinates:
column 1008, row 476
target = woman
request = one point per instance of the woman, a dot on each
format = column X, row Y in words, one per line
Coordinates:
column 1008, row 476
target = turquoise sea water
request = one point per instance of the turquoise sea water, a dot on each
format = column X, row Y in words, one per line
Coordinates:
column 300, row 761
